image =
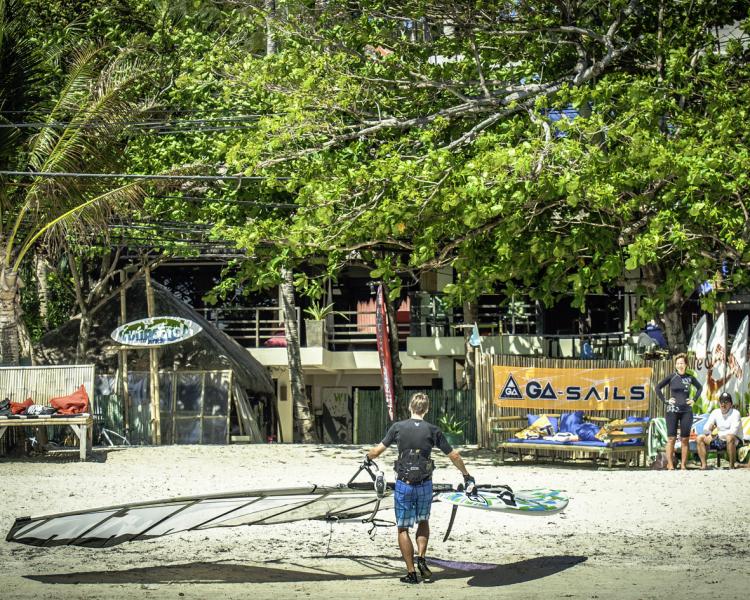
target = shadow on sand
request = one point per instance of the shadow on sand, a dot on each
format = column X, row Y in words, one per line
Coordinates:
column 365, row 568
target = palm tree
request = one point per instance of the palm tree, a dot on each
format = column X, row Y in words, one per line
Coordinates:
column 80, row 130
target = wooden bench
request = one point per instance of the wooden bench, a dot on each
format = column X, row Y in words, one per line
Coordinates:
column 41, row 383
column 82, row 426
column 506, row 426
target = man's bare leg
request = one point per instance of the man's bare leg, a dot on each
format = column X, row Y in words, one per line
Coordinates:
column 407, row 548
column 423, row 537
column 732, row 450
column 702, row 444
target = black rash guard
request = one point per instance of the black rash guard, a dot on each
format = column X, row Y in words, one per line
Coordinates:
column 679, row 389
column 416, row 434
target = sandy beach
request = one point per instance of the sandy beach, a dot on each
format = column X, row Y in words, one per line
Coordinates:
column 627, row 533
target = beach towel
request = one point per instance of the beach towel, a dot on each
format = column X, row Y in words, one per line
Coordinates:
column 562, row 436
column 657, row 437
column 39, row 410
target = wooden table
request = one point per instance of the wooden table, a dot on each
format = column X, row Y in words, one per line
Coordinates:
column 82, row 426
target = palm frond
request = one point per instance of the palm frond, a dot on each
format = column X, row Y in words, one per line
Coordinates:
column 74, row 94
column 92, row 214
column 96, row 103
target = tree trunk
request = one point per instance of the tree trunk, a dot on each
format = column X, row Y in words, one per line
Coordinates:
column 470, row 317
column 303, row 416
column 270, row 6
column 84, row 332
column 24, row 338
column 42, row 286
column 673, row 329
column 402, row 402
column 672, row 317
column 10, row 288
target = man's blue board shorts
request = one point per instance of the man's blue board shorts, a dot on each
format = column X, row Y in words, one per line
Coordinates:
column 412, row 502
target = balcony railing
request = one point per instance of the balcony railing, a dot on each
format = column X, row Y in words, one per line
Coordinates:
column 263, row 326
column 253, row 327
column 357, row 329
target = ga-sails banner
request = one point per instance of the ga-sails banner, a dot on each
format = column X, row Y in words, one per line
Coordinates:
column 384, row 352
column 572, row 389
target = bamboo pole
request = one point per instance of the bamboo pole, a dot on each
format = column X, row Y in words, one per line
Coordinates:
column 153, row 355
column 122, row 361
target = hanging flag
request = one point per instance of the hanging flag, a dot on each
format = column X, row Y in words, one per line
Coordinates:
column 697, row 351
column 384, row 352
column 742, row 400
column 737, row 365
column 715, row 366
column 475, row 340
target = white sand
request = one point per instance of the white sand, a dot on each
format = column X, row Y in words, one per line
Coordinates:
column 627, row 533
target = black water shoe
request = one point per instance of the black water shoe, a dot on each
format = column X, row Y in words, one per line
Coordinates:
column 410, row 578
column 424, row 570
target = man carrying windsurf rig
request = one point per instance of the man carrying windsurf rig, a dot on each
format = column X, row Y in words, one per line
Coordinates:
column 415, row 439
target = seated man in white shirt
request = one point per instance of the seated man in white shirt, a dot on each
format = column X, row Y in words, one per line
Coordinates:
column 727, row 420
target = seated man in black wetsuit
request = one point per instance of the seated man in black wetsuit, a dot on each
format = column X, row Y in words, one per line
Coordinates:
column 415, row 439
column 679, row 408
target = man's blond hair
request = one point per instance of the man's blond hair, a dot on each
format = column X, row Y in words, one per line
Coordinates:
column 419, row 404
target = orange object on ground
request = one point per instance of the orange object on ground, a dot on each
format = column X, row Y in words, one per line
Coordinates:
column 74, row 404
column 18, row 407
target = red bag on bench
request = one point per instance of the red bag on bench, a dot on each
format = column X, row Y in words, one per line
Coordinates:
column 74, row 404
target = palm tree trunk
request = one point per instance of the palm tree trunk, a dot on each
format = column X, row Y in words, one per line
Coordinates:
column 42, row 286
column 10, row 288
column 303, row 416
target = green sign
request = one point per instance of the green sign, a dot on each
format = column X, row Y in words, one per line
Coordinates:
column 155, row 331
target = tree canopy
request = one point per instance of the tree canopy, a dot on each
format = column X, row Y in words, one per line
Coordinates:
column 540, row 147
column 546, row 147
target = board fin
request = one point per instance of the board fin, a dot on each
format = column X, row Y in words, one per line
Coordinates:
column 454, row 510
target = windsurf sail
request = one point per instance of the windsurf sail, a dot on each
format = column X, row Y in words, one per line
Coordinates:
column 110, row 526
column 113, row 525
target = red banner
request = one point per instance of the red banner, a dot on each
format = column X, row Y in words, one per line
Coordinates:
column 384, row 352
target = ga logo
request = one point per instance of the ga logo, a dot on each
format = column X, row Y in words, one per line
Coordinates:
column 511, row 390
